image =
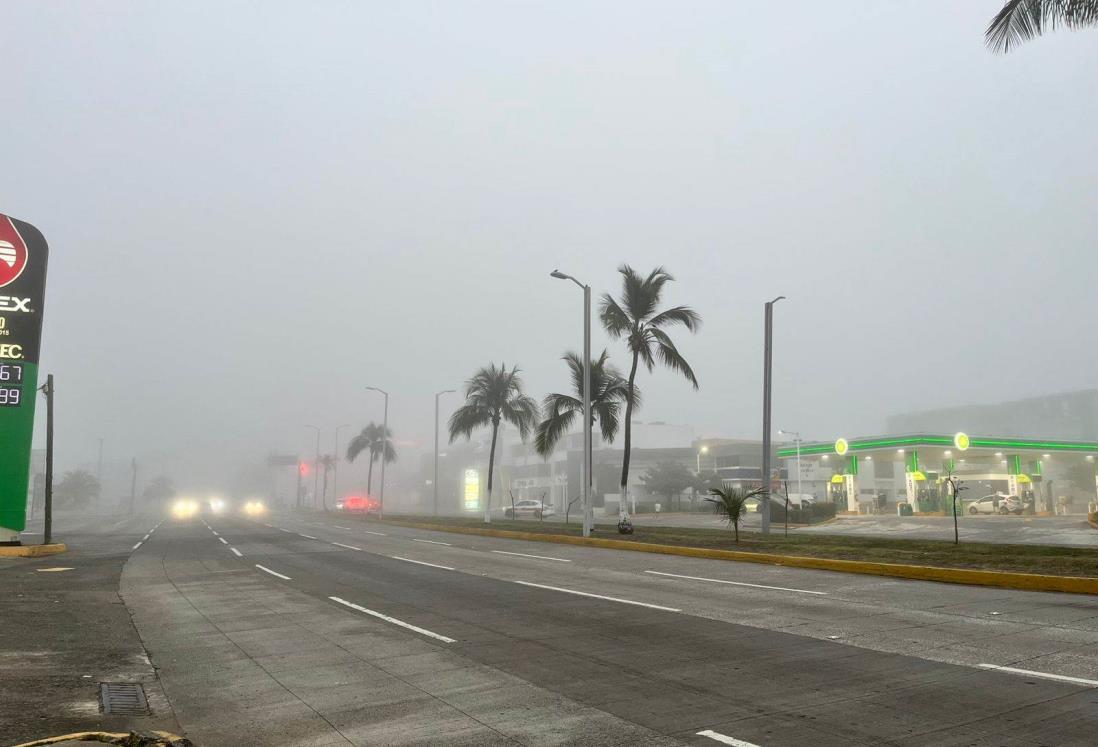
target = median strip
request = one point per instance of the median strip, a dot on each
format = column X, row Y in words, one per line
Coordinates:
column 265, row 569
column 736, row 583
column 393, row 620
column 420, row 562
column 600, row 596
column 1042, row 675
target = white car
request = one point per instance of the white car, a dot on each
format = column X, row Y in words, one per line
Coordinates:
column 996, row 504
column 527, row 507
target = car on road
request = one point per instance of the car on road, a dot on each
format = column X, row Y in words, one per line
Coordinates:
column 996, row 504
column 530, row 508
column 358, row 504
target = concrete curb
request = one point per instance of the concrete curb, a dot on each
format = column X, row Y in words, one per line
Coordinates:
column 32, row 551
column 973, row 577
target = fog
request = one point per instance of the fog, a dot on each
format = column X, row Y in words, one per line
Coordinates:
column 256, row 210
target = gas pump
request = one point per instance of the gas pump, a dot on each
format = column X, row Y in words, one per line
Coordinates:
column 836, row 491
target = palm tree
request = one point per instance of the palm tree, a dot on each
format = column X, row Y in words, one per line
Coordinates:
column 375, row 439
column 643, row 327
column 608, row 392
column 1022, row 20
column 729, row 504
column 492, row 396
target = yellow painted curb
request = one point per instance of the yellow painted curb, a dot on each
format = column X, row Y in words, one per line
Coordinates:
column 32, row 551
column 99, row 736
column 971, row 576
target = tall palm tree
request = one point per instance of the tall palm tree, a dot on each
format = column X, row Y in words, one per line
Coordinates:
column 492, row 396
column 637, row 320
column 608, row 392
column 375, row 439
column 1022, row 20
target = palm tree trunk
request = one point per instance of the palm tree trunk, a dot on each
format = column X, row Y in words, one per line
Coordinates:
column 491, row 472
column 627, row 446
column 370, row 477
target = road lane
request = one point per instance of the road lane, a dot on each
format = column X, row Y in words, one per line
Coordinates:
column 942, row 622
column 677, row 673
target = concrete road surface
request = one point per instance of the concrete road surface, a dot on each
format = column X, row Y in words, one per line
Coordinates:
column 316, row 630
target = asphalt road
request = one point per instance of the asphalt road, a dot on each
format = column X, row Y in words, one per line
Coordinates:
column 317, row 630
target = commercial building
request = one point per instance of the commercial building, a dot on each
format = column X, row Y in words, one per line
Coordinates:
column 868, row 473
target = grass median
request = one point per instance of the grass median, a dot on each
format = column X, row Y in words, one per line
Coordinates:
column 1044, row 559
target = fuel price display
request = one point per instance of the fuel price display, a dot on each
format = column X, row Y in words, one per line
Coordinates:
column 11, row 380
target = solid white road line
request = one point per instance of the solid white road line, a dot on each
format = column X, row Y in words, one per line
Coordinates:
column 432, row 542
column 349, row 547
column 138, row 545
column 393, row 620
column 379, row 534
column 273, row 573
column 236, row 552
column 737, row 583
column 524, row 555
column 306, row 536
column 222, row 540
column 725, row 739
column 1043, row 675
column 420, row 562
column 600, row 596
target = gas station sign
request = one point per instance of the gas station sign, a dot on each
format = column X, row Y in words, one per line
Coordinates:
column 23, row 255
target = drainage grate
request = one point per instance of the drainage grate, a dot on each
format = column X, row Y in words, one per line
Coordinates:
column 123, row 698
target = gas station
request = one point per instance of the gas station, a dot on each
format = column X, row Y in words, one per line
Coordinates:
column 864, row 475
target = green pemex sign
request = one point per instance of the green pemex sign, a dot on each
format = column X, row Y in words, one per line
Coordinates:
column 23, row 254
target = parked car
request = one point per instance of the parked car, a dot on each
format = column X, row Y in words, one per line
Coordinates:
column 358, row 504
column 996, row 504
column 527, row 507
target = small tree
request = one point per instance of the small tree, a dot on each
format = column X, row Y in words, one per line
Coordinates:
column 955, row 488
column 160, row 489
column 728, row 503
column 77, row 488
column 668, row 479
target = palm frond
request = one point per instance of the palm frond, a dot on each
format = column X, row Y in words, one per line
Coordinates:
column 466, row 419
column 562, row 412
column 671, row 357
column 1021, row 20
column 683, row 315
column 614, row 319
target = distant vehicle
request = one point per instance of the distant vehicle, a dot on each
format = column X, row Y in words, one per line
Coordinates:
column 185, row 508
column 255, row 507
column 800, row 500
column 358, row 504
column 996, row 504
column 527, row 507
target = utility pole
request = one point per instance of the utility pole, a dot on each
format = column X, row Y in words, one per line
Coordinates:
column 335, row 465
column 316, row 465
column 47, row 532
column 588, row 473
column 99, row 472
column 767, row 352
column 133, row 483
column 434, row 483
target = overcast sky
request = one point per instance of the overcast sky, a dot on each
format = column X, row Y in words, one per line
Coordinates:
column 256, row 209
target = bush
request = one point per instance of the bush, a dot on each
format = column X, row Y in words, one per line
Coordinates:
column 814, row 513
column 1092, row 517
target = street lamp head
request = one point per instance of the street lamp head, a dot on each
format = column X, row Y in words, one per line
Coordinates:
column 559, row 275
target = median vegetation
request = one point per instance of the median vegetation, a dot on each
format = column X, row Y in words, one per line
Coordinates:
column 1042, row 559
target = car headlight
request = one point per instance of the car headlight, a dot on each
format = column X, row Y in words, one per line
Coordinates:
column 217, row 505
column 184, row 508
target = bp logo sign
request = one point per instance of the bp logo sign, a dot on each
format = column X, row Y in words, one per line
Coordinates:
column 23, row 255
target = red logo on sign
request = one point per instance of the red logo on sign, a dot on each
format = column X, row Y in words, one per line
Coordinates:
column 13, row 252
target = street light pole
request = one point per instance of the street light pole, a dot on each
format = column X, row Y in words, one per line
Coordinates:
column 316, row 465
column 384, row 443
column 587, row 437
column 768, row 329
column 796, row 439
column 99, row 472
column 335, row 464
column 434, row 483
